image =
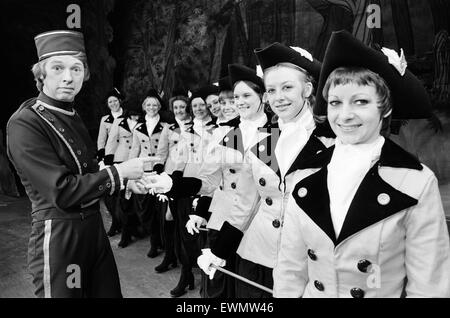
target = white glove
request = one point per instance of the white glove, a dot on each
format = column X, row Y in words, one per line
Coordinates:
column 158, row 183
column 207, row 259
column 194, row 223
column 101, row 165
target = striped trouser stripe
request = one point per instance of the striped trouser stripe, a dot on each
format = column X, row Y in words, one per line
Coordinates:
column 46, row 249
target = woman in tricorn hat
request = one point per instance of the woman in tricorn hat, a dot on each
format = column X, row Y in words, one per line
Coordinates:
column 289, row 74
column 368, row 220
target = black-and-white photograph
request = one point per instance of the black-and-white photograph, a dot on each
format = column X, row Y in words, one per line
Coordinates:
column 226, row 150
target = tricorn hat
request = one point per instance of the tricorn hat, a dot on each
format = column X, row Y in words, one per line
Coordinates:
column 278, row 53
column 409, row 97
column 152, row 92
column 240, row 72
column 224, row 84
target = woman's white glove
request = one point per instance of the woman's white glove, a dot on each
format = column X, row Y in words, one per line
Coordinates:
column 194, row 223
column 207, row 259
column 158, row 183
column 101, row 165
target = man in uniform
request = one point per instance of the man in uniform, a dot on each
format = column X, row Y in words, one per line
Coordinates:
column 69, row 254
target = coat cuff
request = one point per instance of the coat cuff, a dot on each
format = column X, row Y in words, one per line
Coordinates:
column 100, row 154
column 108, row 160
column 115, row 180
column 159, row 168
column 184, row 186
column 227, row 241
column 202, row 209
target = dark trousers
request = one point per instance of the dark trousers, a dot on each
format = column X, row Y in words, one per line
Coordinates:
column 112, row 204
column 72, row 258
column 255, row 272
column 222, row 285
column 187, row 246
column 145, row 207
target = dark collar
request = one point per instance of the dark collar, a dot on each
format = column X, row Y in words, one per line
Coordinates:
column 367, row 208
column 392, row 155
column 232, row 122
column 56, row 103
column 233, row 139
column 307, row 156
column 264, row 150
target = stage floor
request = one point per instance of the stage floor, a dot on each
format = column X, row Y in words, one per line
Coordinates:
column 137, row 275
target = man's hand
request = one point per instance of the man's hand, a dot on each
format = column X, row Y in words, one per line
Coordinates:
column 134, row 168
column 136, row 186
column 207, row 259
column 194, row 223
column 158, row 183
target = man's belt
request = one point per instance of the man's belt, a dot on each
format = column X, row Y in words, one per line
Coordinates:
column 52, row 214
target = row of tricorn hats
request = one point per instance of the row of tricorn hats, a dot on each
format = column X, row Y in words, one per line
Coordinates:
column 409, row 98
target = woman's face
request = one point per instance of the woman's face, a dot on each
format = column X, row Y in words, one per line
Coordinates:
column 212, row 102
column 199, row 108
column 228, row 107
column 354, row 113
column 286, row 91
column 179, row 109
column 113, row 103
column 247, row 101
column 151, row 106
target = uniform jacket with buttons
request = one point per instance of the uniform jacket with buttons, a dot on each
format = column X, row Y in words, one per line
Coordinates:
column 227, row 176
column 170, row 151
column 394, row 231
column 119, row 142
column 261, row 241
column 145, row 143
column 55, row 159
column 194, row 145
column 106, row 123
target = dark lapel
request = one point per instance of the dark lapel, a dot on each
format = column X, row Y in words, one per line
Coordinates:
column 316, row 202
column 366, row 207
column 143, row 129
column 158, row 128
column 264, row 150
column 211, row 125
column 109, row 119
column 175, row 128
column 124, row 124
column 190, row 129
column 307, row 156
column 233, row 140
column 232, row 123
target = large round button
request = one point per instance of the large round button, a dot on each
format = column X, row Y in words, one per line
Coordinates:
column 302, row 192
column 261, row 148
column 319, row 285
column 84, row 164
column 357, row 292
column 232, row 171
column 79, row 152
column 128, row 141
column 268, row 201
column 383, row 198
column 226, row 139
column 363, row 265
column 100, row 187
column 312, row 255
column 262, row 182
column 233, row 185
column 41, row 108
column 108, row 185
column 276, row 223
